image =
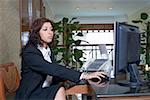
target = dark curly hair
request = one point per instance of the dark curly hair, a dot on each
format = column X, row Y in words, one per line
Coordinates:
column 34, row 37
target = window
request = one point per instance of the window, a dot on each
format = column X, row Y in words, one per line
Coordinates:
column 29, row 10
column 96, row 37
column 92, row 39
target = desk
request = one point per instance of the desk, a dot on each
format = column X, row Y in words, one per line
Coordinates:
column 116, row 92
column 111, row 92
column 126, row 98
column 85, row 90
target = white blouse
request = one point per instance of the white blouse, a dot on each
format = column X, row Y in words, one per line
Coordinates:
column 46, row 52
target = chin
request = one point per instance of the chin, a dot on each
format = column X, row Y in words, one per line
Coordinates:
column 49, row 41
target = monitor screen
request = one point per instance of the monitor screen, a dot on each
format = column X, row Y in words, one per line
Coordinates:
column 133, row 45
column 120, row 50
column 127, row 51
column 127, row 46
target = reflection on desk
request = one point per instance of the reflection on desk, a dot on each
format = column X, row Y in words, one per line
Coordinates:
column 116, row 90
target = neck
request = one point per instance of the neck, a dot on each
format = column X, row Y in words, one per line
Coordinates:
column 45, row 45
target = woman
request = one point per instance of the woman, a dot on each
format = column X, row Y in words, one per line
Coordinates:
column 41, row 77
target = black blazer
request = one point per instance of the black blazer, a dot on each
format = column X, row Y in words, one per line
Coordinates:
column 34, row 71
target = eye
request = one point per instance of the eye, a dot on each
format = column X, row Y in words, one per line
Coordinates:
column 45, row 29
column 52, row 29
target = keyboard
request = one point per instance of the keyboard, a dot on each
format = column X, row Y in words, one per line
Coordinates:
column 94, row 65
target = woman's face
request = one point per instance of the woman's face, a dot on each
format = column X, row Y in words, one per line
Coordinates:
column 46, row 33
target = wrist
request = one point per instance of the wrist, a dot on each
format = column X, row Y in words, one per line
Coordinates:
column 84, row 75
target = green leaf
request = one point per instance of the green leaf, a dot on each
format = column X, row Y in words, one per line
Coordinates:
column 137, row 21
column 76, row 23
column 59, row 61
column 74, row 27
column 142, row 50
column 61, row 50
column 144, row 16
column 77, row 42
column 72, row 33
column 56, row 36
column 72, row 19
column 68, row 55
column 80, row 62
column 65, row 20
column 79, row 34
column 77, row 54
column 57, row 25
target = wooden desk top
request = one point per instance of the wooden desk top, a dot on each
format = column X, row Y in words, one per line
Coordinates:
column 88, row 89
column 80, row 89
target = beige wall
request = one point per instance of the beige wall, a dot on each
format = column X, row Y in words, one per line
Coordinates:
column 137, row 16
column 9, row 31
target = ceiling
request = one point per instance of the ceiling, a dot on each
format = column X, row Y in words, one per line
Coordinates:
column 95, row 8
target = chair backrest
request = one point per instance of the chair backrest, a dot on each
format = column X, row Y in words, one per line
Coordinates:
column 9, row 79
column 2, row 90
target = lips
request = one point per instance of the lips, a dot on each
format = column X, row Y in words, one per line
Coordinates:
column 50, row 37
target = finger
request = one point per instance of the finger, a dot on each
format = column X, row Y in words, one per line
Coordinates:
column 104, row 73
column 99, row 82
column 104, row 83
column 99, row 78
column 101, row 75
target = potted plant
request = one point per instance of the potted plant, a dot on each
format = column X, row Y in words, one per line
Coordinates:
column 144, row 20
column 70, row 56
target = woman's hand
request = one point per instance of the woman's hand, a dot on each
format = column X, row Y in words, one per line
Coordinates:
column 88, row 76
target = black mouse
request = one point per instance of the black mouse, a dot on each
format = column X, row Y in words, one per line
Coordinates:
column 103, row 79
column 94, row 79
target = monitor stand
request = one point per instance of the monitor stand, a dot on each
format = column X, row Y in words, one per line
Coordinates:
column 135, row 79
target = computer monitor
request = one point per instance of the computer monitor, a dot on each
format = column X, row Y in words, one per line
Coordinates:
column 127, row 53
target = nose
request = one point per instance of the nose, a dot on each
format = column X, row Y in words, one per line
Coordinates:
column 51, row 33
